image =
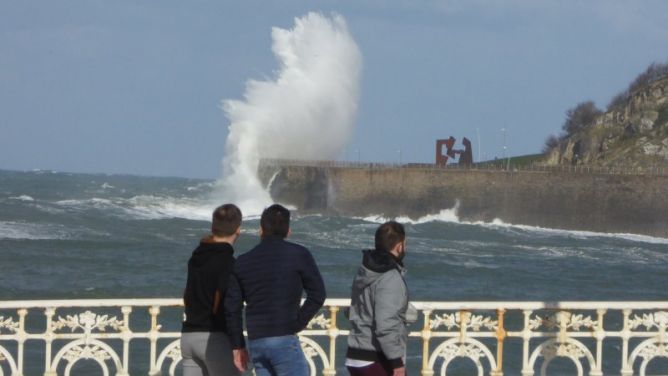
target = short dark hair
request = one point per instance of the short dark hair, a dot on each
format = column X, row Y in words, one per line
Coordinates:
column 225, row 220
column 388, row 235
column 275, row 221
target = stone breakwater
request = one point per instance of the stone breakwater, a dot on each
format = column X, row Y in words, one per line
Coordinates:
column 602, row 202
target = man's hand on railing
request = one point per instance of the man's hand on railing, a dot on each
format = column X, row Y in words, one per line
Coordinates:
column 241, row 359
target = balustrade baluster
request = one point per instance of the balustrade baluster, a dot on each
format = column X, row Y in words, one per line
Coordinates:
column 459, row 332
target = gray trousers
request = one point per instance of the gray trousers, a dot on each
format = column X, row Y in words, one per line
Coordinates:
column 207, row 354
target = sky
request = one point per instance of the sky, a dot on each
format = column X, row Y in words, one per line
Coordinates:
column 135, row 87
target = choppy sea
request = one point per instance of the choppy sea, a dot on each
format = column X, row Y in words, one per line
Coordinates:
column 65, row 236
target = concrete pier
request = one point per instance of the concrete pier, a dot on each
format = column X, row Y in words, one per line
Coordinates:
column 617, row 202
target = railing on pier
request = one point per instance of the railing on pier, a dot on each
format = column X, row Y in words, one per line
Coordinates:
column 597, row 337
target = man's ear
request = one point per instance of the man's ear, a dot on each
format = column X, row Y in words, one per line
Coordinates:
column 260, row 231
column 398, row 248
column 238, row 232
column 289, row 233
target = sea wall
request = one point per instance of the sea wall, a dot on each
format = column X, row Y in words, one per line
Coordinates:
column 566, row 200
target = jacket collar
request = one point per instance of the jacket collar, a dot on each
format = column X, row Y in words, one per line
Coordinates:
column 271, row 239
column 381, row 261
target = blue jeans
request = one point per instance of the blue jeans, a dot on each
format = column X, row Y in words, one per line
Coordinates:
column 278, row 356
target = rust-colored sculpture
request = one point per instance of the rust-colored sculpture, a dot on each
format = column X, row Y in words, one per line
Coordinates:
column 465, row 156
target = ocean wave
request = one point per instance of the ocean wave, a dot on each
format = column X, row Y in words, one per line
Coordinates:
column 22, row 198
column 201, row 186
column 156, row 207
column 451, row 216
column 85, row 203
column 578, row 234
column 31, row 231
column 144, row 207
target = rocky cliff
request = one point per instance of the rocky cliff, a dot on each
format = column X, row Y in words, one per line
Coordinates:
column 633, row 133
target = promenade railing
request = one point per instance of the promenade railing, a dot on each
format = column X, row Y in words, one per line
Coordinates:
column 133, row 336
column 500, row 166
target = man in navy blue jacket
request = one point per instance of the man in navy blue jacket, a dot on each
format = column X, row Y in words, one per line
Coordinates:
column 271, row 278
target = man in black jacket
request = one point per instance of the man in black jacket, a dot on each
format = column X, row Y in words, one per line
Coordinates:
column 205, row 345
column 271, row 278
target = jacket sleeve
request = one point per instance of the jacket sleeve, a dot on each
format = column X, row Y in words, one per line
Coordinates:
column 233, row 306
column 226, row 268
column 314, row 288
column 389, row 299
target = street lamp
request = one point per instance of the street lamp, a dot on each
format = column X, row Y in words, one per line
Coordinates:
column 399, row 156
column 505, row 149
column 503, row 130
column 477, row 132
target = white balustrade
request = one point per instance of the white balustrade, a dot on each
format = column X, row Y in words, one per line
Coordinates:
column 526, row 336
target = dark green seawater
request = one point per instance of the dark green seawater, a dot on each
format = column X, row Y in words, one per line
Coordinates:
column 66, row 236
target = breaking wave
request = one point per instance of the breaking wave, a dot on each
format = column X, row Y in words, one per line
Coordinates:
column 451, row 216
column 22, row 198
column 32, row 231
column 144, row 207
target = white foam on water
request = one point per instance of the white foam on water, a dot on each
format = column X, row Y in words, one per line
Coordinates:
column 155, row 207
column 497, row 223
column 451, row 216
column 22, row 198
column 30, row 231
column 306, row 111
column 445, row 215
column 145, row 207
column 200, row 186
column 85, row 203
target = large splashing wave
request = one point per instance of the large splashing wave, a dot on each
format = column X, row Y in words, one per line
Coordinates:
column 306, row 112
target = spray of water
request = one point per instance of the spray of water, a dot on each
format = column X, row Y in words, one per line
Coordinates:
column 306, row 111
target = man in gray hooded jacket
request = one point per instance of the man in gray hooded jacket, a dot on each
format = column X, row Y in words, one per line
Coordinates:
column 378, row 308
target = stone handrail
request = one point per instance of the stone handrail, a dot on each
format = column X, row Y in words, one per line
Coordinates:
column 60, row 333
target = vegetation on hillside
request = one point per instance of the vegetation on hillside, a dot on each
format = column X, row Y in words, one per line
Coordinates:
column 654, row 72
column 585, row 113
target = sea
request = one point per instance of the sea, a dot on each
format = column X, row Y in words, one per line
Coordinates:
column 85, row 236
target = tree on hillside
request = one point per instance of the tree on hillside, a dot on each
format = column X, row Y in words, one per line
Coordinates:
column 551, row 142
column 654, row 72
column 579, row 117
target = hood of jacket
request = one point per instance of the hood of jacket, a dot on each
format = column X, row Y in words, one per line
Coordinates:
column 374, row 264
column 206, row 250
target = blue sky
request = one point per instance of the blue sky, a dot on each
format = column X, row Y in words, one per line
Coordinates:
column 135, row 86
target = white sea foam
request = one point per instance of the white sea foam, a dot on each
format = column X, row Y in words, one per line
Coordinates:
column 155, row 207
column 22, row 198
column 30, row 231
column 85, row 203
column 445, row 215
column 106, row 185
column 451, row 216
column 201, row 186
column 306, row 112
column 145, row 207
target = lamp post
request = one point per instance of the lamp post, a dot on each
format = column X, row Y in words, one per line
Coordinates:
column 477, row 132
column 399, row 156
column 503, row 130
column 505, row 149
